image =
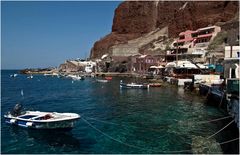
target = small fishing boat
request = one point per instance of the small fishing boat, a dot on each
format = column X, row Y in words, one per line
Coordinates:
column 102, row 80
column 133, row 85
column 54, row 74
column 41, row 120
column 77, row 77
column 51, row 74
column 13, row 75
column 30, row 77
column 47, row 74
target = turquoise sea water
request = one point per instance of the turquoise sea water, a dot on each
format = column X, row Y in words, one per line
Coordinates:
column 158, row 120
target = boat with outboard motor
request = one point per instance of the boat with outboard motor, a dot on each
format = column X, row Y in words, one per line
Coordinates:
column 41, row 120
column 133, row 85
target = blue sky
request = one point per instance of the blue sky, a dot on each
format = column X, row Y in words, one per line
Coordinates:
column 43, row 34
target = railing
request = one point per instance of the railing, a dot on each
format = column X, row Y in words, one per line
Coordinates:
column 202, row 44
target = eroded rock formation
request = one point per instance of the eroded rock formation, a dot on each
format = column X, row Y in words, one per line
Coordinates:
column 133, row 19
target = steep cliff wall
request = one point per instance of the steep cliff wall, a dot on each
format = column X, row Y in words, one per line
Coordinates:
column 134, row 19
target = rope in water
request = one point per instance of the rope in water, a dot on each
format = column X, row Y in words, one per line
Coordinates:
column 136, row 147
column 214, row 120
column 221, row 101
column 107, row 122
column 130, row 125
column 229, row 141
column 129, row 145
column 221, row 129
column 209, row 90
column 200, row 122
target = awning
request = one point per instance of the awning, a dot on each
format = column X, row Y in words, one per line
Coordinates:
column 142, row 56
column 104, row 56
column 156, row 67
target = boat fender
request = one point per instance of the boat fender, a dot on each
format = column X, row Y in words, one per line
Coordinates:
column 12, row 121
column 29, row 124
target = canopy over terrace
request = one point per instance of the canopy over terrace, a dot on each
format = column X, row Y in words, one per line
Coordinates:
column 185, row 64
column 156, row 67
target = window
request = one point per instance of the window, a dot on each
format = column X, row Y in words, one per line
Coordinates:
column 181, row 37
column 233, row 73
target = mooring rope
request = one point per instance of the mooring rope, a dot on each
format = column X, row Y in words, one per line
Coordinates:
column 110, row 137
column 229, row 141
column 221, row 101
column 107, row 122
column 129, row 145
column 221, row 129
column 155, row 129
column 209, row 90
column 214, row 120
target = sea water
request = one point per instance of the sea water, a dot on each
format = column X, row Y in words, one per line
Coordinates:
column 113, row 120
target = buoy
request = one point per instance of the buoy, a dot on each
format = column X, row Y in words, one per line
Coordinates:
column 29, row 123
column 12, row 121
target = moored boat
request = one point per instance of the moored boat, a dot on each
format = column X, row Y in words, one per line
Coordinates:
column 30, row 77
column 41, row 120
column 133, row 85
column 102, row 80
column 47, row 74
column 13, row 75
column 76, row 77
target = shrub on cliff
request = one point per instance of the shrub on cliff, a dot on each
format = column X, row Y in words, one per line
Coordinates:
column 218, row 40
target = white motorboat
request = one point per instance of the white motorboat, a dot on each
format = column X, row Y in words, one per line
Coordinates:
column 14, row 75
column 30, row 77
column 76, row 77
column 51, row 74
column 47, row 74
column 41, row 120
column 133, row 85
column 102, row 80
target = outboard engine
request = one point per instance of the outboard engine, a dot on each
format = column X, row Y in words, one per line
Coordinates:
column 16, row 110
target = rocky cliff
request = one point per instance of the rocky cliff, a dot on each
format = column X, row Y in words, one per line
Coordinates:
column 134, row 19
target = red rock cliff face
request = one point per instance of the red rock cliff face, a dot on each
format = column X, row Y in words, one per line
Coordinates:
column 198, row 14
column 134, row 18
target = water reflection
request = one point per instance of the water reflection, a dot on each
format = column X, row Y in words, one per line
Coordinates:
column 52, row 138
column 130, row 91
